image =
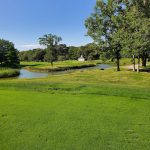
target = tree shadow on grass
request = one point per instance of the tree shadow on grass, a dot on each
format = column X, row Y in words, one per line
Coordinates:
column 145, row 70
column 32, row 65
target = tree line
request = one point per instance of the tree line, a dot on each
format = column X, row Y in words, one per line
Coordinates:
column 61, row 52
column 121, row 27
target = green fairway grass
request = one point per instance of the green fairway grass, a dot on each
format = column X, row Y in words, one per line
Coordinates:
column 83, row 110
column 45, row 66
column 58, row 63
column 58, row 66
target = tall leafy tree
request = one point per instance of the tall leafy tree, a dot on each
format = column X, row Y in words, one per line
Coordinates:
column 74, row 53
column 62, row 52
column 38, row 54
column 101, row 26
column 8, row 53
column 3, row 49
column 50, row 41
column 89, row 51
column 136, row 33
column 143, row 6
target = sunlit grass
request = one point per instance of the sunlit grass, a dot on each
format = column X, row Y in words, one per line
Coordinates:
column 91, row 109
column 8, row 72
column 58, row 64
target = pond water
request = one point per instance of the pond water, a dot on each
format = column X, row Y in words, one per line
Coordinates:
column 101, row 66
column 30, row 74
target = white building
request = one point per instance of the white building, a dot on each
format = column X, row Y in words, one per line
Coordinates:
column 81, row 58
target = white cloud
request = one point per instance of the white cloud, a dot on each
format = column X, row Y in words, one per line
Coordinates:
column 28, row 46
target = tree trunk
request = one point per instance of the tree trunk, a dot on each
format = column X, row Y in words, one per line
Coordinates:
column 138, row 65
column 52, row 63
column 144, row 59
column 118, row 64
column 133, row 62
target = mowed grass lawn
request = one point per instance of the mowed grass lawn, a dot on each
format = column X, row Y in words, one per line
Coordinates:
column 47, row 65
column 83, row 110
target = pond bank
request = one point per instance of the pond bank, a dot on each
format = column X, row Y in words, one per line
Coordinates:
column 31, row 72
column 57, row 69
column 25, row 73
column 7, row 73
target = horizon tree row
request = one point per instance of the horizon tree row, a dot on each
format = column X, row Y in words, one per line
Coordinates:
column 61, row 52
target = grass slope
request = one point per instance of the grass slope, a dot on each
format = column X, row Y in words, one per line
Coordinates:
column 58, row 66
column 8, row 72
column 84, row 110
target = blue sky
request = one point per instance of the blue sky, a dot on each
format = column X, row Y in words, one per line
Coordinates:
column 24, row 21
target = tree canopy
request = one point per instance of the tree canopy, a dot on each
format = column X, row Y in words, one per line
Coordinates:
column 50, row 41
column 8, row 53
column 120, row 26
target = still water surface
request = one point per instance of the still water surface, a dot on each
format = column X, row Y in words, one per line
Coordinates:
column 30, row 74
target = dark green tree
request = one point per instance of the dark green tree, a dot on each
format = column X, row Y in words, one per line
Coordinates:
column 143, row 6
column 62, row 52
column 90, row 51
column 102, row 25
column 8, row 54
column 50, row 41
column 135, row 34
column 74, row 52
column 38, row 54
